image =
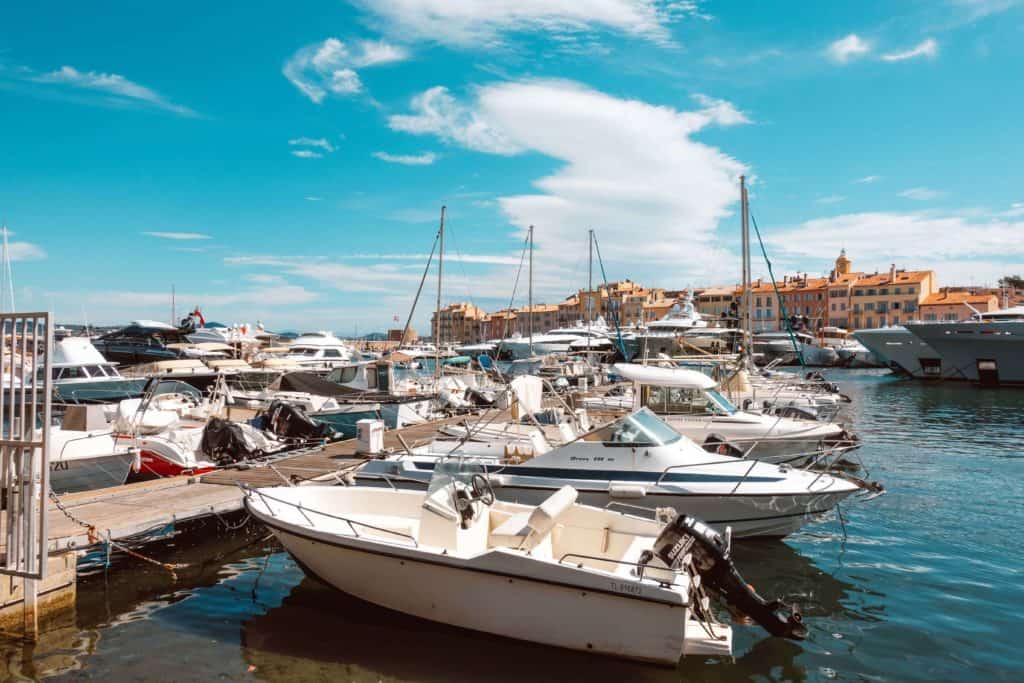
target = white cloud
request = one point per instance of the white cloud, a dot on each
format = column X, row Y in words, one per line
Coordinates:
column 179, row 235
column 927, row 48
column 24, row 251
column 306, row 154
column 831, row 199
column 628, row 167
column 921, row 194
column 882, row 238
column 438, row 112
column 313, row 199
column 115, row 85
column 868, row 179
column 325, row 68
column 322, row 143
column 1016, row 209
column 849, row 48
column 424, row 159
column 484, row 22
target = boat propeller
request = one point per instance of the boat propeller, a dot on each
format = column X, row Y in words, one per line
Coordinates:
column 711, row 557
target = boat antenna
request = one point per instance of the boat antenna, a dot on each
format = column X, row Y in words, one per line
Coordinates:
column 440, row 270
column 529, row 304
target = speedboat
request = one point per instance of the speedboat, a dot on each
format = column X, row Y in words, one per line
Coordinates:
column 690, row 402
column 86, row 454
column 639, row 458
column 556, row 573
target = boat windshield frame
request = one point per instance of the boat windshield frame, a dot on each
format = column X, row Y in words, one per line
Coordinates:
column 720, row 402
column 640, row 428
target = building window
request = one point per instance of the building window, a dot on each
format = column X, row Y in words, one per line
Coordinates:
column 951, row 317
column 834, row 308
column 884, row 291
column 910, row 306
column 895, row 305
column 842, row 307
column 930, row 317
column 871, row 322
column 871, row 292
column 869, row 307
column 897, row 291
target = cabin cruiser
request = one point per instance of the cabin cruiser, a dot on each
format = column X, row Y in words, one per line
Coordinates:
column 904, row 353
column 639, row 456
column 690, row 402
column 82, row 375
column 987, row 349
column 318, row 351
column 556, row 573
column 851, row 353
column 662, row 336
column 147, row 341
column 779, row 346
column 578, row 337
column 189, row 370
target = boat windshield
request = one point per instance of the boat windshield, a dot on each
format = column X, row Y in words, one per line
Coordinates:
column 687, row 401
column 642, row 428
column 450, row 474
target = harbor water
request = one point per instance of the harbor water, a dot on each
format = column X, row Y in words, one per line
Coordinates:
column 922, row 584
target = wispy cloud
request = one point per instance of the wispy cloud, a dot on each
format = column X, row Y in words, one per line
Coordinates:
column 313, row 199
column 24, row 251
column 329, row 67
column 868, row 179
column 486, row 22
column 927, row 48
column 306, row 154
column 113, row 85
column 179, row 235
column 847, row 49
column 921, row 194
column 831, row 199
column 322, row 143
column 424, row 159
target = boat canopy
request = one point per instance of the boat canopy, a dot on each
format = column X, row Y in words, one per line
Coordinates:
column 663, row 377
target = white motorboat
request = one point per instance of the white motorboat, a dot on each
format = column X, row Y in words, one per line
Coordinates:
column 851, row 353
column 988, row 348
column 780, row 346
column 579, row 337
column 641, row 459
column 690, row 402
column 318, row 351
column 82, row 375
column 557, row 573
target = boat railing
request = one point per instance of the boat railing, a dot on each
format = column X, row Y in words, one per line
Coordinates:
column 249, row 491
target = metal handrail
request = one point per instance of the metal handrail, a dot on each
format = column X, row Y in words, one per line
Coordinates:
column 641, row 566
column 352, row 523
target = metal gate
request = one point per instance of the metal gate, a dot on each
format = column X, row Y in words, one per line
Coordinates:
column 25, row 382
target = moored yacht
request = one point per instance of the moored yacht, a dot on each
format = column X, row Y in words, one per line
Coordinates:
column 318, row 351
column 988, row 348
column 905, row 353
column 82, row 375
column 663, row 336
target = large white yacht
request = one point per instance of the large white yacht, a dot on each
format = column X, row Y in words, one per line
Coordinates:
column 662, row 336
column 578, row 337
column 904, row 352
column 988, row 348
column 318, row 351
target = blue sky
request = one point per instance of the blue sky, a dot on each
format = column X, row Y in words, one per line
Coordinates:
column 288, row 163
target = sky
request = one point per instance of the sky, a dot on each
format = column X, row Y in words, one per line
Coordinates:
column 288, row 163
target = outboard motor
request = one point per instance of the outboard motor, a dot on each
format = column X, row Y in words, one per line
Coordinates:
column 712, row 559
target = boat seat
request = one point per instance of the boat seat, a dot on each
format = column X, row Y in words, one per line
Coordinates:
column 526, row 530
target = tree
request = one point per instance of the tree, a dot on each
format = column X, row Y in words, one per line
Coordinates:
column 1012, row 281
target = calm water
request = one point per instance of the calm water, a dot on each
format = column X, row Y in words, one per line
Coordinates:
column 924, row 584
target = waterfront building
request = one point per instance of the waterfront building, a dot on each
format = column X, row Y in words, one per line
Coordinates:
column 543, row 316
column 462, row 322
column 952, row 306
column 501, row 324
column 886, row 299
column 714, row 301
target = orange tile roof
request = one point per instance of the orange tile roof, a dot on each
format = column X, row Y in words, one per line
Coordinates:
column 902, row 277
column 948, row 298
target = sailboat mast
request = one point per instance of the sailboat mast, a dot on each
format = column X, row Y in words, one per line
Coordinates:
column 590, row 285
column 530, row 302
column 437, row 314
column 174, row 308
column 744, row 312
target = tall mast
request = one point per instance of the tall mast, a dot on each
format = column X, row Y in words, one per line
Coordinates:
column 174, row 309
column 745, row 299
column 530, row 303
column 437, row 314
column 590, row 285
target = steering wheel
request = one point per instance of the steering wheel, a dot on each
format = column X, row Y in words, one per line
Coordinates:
column 482, row 490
